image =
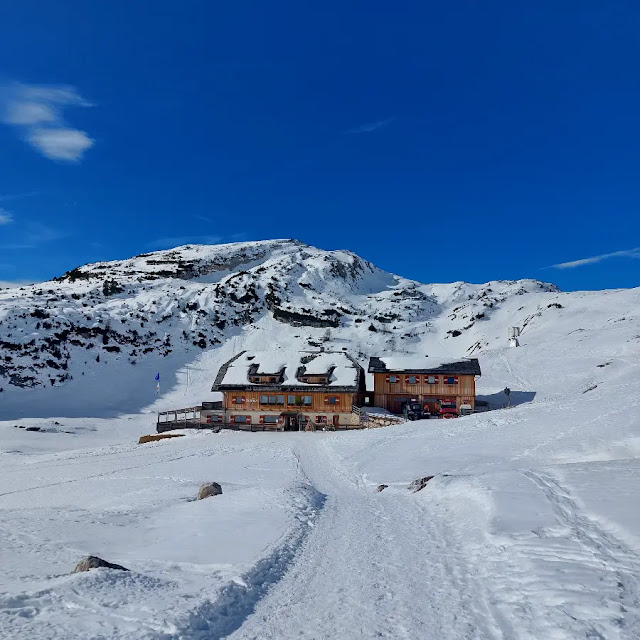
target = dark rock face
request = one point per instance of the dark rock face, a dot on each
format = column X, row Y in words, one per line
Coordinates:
column 209, row 489
column 93, row 562
column 419, row 484
column 381, row 487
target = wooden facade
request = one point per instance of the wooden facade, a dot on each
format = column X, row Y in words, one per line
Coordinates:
column 445, row 382
column 289, row 410
column 390, row 395
column 320, row 401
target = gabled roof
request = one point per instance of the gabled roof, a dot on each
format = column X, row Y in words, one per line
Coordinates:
column 404, row 364
column 289, row 368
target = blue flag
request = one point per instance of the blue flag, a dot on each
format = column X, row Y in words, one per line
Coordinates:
column 158, row 376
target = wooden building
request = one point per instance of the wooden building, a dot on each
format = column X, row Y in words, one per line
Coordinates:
column 289, row 391
column 398, row 379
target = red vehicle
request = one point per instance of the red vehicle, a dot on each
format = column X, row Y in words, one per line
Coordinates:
column 447, row 408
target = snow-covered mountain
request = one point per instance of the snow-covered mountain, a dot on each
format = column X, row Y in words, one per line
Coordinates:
column 529, row 527
column 101, row 331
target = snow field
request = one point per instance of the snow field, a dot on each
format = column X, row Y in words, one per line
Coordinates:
column 134, row 504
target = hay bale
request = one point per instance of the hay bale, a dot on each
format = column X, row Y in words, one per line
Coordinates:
column 93, row 562
column 209, row 489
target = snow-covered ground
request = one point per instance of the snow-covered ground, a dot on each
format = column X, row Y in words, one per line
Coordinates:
column 529, row 529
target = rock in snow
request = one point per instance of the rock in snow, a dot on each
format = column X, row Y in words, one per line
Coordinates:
column 93, row 562
column 209, row 489
column 419, row 484
column 381, row 487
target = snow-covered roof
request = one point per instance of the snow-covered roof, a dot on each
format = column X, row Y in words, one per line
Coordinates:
column 288, row 369
column 422, row 364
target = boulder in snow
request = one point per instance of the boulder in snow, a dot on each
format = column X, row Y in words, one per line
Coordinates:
column 93, row 562
column 209, row 489
column 381, row 487
column 419, row 484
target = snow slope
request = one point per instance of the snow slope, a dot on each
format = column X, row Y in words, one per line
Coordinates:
column 530, row 528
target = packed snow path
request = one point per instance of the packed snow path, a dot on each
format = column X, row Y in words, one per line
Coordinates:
column 375, row 566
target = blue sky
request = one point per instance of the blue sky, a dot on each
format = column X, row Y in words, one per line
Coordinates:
column 443, row 141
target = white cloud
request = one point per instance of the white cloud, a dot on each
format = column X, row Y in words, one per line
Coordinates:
column 38, row 112
column 5, row 217
column 627, row 253
column 60, row 144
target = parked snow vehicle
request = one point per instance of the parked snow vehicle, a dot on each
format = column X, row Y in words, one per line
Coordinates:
column 447, row 408
column 465, row 410
column 413, row 410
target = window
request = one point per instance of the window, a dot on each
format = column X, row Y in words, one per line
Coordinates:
column 450, row 380
column 411, row 379
column 298, row 400
column 264, row 399
column 431, row 379
column 237, row 400
column 321, row 419
column 268, row 419
column 331, row 400
column 392, row 379
column 211, row 419
column 271, row 399
column 272, row 379
column 255, row 379
column 241, row 419
column 307, row 400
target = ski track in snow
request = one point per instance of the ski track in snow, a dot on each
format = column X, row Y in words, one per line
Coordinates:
column 611, row 559
column 402, row 577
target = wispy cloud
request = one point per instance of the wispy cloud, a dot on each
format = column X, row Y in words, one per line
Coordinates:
column 16, row 196
column 178, row 241
column 369, row 127
column 5, row 217
column 627, row 253
column 34, row 235
column 202, row 218
column 37, row 111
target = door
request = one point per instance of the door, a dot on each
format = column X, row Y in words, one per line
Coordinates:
column 336, row 421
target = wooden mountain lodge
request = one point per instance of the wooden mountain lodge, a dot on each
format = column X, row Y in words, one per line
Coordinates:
column 436, row 384
column 291, row 392
column 325, row 390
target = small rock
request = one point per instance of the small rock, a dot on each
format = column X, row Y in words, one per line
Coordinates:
column 93, row 562
column 209, row 489
column 419, row 484
column 33, row 429
column 381, row 487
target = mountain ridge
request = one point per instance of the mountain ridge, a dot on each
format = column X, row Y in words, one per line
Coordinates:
column 123, row 319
